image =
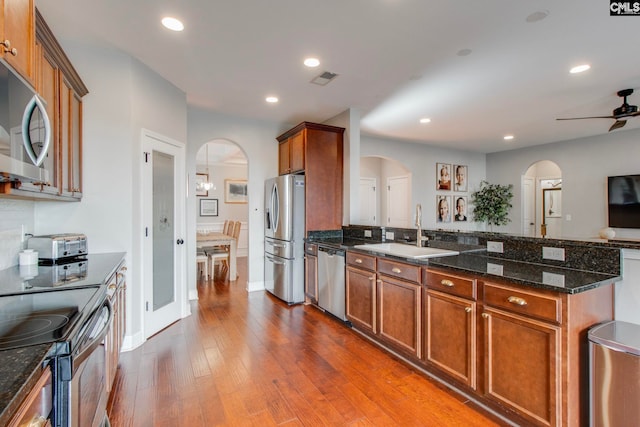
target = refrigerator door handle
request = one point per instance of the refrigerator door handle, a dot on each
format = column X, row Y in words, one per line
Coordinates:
column 274, row 208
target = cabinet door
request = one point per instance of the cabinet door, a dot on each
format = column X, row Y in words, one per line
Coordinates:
column 400, row 314
column 522, row 365
column 450, row 335
column 70, row 142
column 311, row 277
column 296, row 152
column 361, row 299
column 283, row 158
column 19, row 30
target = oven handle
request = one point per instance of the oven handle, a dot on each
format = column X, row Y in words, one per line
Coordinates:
column 99, row 328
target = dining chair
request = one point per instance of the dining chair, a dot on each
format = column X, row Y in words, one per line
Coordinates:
column 225, row 228
column 202, row 264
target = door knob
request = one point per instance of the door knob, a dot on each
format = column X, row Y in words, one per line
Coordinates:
column 180, row 241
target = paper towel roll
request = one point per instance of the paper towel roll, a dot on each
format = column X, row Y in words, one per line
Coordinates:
column 28, row 257
column 28, row 272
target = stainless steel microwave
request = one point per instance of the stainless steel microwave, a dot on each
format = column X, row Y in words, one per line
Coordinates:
column 25, row 130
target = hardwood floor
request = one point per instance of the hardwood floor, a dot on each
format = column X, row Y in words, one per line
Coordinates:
column 244, row 359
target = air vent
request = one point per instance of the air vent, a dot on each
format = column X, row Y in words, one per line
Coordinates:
column 324, row 78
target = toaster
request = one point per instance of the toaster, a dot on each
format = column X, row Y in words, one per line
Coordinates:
column 54, row 248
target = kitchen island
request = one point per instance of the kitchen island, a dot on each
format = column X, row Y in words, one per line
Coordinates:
column 508, row 329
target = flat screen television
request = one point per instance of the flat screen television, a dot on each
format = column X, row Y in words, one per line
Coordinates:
column 624, row 201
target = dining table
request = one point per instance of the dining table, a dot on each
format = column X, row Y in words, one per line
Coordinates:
column 216, row 238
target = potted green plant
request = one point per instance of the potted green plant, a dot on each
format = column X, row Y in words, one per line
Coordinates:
column 492, row 203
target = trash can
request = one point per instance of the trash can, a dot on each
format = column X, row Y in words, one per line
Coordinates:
column 614, row 374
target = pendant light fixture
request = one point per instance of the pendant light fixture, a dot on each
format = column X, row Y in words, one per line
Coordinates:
column 207, row 185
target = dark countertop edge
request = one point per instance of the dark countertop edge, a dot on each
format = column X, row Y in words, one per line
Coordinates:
column 21, row 386
column 350, row 243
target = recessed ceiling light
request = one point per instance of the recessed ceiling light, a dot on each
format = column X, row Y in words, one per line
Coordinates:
column 508, row 137
column 537, row 16
column 464, row 52
column 271, row 99
column 172, row 23
column 579, row 68
column 312, row 62
column 425, row 120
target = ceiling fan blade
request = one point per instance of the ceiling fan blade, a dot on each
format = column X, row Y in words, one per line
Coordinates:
column 592, row 117
column 618, row 124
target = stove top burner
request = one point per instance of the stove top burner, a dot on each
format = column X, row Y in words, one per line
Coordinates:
column 36, row 328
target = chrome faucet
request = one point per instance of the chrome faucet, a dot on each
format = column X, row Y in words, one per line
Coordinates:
column 419, row 237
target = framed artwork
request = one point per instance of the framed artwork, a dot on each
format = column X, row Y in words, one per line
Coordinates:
column 459, row 178
column 443, row 176
column 208, row 207
column 235, row 191
column 201, row 178
column 443, row 208
column 552, row 202
column 460, row 208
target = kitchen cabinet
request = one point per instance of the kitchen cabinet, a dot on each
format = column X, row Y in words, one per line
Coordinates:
column 59, row 85
column 361, row 293
column 116, row 291
column 450, row 341
column 37, row 406
column 316, row 150
column 311, row 271
column 399, row 305
column 18, row 36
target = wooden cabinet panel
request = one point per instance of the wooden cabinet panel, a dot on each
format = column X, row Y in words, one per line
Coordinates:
column 361, row 298
column 311, row 272
column 359, row 260
column 461, row 286
column 18, row 29
column 35, row 409
column 450, row 336
column 284, row 158
column 297, row 152
column 400, row 313
column 522, row 365
column 399, row 270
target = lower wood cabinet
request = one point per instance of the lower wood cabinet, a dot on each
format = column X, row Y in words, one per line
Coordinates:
column 519, row 350
column 117, row 286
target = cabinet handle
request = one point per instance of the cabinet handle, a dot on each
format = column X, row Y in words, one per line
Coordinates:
column 447, row 282
column 517, row 301
column 38, row 421
column 112, row 286
column 8, row 49
column 124, row 269
column 378, row 281
column 467, row 309
column 372, row 278
column 396, row 270
column 358, row 260
column 485, row 315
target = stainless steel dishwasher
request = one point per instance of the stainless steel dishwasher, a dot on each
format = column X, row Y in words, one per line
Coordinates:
column 331, row 287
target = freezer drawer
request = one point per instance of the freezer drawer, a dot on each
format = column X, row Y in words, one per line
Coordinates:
column 284, row 278
column 282, row 248
column 614, row 352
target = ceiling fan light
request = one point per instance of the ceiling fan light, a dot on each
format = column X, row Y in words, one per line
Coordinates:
column 580, row 68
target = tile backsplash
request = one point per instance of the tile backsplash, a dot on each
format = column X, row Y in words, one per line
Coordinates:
column 10, row 246
column 17, row 217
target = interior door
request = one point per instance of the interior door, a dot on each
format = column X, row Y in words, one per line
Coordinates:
column 398, row 201
column 368, row 201
column 165, row 296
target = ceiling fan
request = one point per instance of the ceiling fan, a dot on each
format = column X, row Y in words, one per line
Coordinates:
column 620, row 114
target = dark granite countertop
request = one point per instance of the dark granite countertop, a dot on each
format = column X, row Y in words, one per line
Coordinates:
column 474, row 260
column 20, row 368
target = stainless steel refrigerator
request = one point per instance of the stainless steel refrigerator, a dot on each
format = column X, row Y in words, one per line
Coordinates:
column 284, row 237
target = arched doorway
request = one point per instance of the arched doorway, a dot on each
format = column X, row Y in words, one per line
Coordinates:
column 542, row 200
column 221, row 189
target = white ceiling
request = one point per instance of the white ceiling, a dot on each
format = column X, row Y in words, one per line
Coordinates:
column 397, row 61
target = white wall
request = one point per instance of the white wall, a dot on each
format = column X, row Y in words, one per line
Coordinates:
column 585, row 165
column 421, row 160
column 124, row 97
column 17, row 219
column 258, row 142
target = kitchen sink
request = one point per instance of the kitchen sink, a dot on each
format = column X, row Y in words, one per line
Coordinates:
column 406, row 251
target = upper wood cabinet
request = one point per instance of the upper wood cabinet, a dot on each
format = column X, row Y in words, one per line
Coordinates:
column 316, row 150
column 18, row 36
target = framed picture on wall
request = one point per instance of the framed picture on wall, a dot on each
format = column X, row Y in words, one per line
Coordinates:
column 208, row 207
column 460, row 208
column 459, row 178
column 201, row 178
column 443, row 208
column 235, row 191
column 443, row 176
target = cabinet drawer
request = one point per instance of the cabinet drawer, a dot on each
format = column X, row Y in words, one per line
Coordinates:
column 399, row 270
column 450, row 284
column 359, row 260
column 524, row 302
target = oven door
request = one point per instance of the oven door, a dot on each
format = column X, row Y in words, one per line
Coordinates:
column 82, row 401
